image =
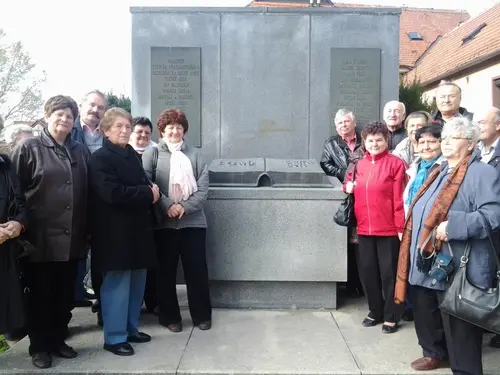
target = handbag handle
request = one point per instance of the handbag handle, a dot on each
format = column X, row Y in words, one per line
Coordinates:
column 432, row 235
column 354, row 171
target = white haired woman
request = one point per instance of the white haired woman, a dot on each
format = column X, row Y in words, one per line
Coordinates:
column 451, row 206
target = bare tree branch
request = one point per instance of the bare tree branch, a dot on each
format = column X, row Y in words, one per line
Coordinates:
column 20, row 87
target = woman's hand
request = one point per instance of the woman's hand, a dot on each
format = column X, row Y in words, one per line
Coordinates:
column 176, row 210
column 156, row 192
column 10, row 229
column 180, row 210
column 441, row 231
column 349, row 187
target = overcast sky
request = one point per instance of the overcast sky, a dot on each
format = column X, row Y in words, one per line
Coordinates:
column 87, row 45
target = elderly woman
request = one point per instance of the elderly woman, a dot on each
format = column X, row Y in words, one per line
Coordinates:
column 140, row 139
column 122, row 231
column 449, row 209
column 182, row 175
column 14, row 134
column 378, row 187
column 407, row 149
column 52, row 171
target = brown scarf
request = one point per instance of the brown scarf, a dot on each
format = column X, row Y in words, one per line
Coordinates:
column 438, row 214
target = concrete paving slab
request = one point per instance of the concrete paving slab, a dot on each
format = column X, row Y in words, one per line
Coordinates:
column 268, row 342
column 160, row 356
column 379, row 354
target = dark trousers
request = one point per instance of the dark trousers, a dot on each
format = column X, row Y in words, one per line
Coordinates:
column 465, row 345
column 428, row 323
column 151, row 291
column 49, row 303
column 353, row 282
column 377, row 259
column 189, row 245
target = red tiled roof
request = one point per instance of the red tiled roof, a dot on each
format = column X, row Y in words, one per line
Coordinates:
column 450, row 54
column 430, row 23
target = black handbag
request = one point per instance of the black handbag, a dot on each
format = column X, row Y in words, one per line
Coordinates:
column 465, row 301
column 345, row 213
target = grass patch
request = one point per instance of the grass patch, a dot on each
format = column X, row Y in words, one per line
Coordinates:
column 3, row 345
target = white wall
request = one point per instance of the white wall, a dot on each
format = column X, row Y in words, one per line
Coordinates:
column 476, row 88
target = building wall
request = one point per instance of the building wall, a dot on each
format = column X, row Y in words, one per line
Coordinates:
column 476, row 85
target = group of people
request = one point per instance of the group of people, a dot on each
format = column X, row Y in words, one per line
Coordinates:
column 93, row 185
column 423, row 185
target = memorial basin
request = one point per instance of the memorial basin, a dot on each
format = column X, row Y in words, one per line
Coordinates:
column 271, row 239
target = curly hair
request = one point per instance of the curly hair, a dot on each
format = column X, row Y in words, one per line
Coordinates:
column 170, row 117
column 375, row 128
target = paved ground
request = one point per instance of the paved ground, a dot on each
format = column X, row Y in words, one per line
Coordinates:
column 244, row 342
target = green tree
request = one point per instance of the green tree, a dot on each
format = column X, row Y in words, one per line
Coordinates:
column 121, row 101
column 411, row 96
column 20, row 86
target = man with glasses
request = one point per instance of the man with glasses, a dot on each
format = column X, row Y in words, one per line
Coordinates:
column 448, row 98
column 489, row 125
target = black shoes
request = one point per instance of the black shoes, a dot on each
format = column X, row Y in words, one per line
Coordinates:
column 139, row 337
column 389, row 329
column 368, row 322
column 123, row 349
column 42, row 360
column 65, row 351
column 408, row 315
column 205, row 326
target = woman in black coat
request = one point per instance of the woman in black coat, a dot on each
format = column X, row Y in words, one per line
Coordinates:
column 122, row 231
column 12, row 223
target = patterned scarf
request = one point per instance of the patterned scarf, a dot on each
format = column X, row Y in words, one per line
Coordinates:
column 438, row 214
column 423, row 169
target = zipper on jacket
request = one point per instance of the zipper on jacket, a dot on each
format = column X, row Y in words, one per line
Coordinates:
column 366, row 192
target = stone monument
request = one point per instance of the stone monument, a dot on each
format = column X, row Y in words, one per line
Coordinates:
column 260, row 87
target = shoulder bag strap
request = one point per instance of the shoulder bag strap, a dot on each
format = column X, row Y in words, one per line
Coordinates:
column 354, row 171
column 493, row 248
column 155, row 162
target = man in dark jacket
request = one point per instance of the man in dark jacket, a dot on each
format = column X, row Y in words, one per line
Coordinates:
column 337, row 153
column 448, row 98
column 394, row 117
column 338, row 148
column 86, row 131
column 489, row 123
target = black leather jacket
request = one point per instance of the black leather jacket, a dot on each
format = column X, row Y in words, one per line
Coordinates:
column 437, row 117
column 336, row 154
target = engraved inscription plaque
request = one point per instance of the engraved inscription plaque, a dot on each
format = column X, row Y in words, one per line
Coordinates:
column 355, row 83
column 296, row 173
column 236, row 172
column 176, row 83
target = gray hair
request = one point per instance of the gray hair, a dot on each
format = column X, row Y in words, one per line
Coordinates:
column 497, row 115
column 344, row 112
column 449, row 83
column 97, row 92
column 462, row 126
column 13, row 131
column 395, row 101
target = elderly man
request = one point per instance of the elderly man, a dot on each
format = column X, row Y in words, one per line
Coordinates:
column 489, row 125
column 86, row 131
column 448, row 98
column 338, row 151
column 394, row 116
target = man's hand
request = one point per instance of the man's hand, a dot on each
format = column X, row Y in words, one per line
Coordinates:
column 14, row 227
column 4, row 235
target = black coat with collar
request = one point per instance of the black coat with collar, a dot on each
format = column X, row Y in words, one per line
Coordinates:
column 12, row 207
column 54, row 179
column 336, row 154
column 120, row 210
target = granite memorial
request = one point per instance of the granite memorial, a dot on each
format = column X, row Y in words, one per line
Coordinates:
column 259, row 87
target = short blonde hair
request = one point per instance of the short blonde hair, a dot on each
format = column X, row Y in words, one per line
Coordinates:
column 110, row 117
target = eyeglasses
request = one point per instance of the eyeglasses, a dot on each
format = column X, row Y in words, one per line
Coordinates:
column 450, row 138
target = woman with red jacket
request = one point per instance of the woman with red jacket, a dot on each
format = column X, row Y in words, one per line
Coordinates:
column 379, row 210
